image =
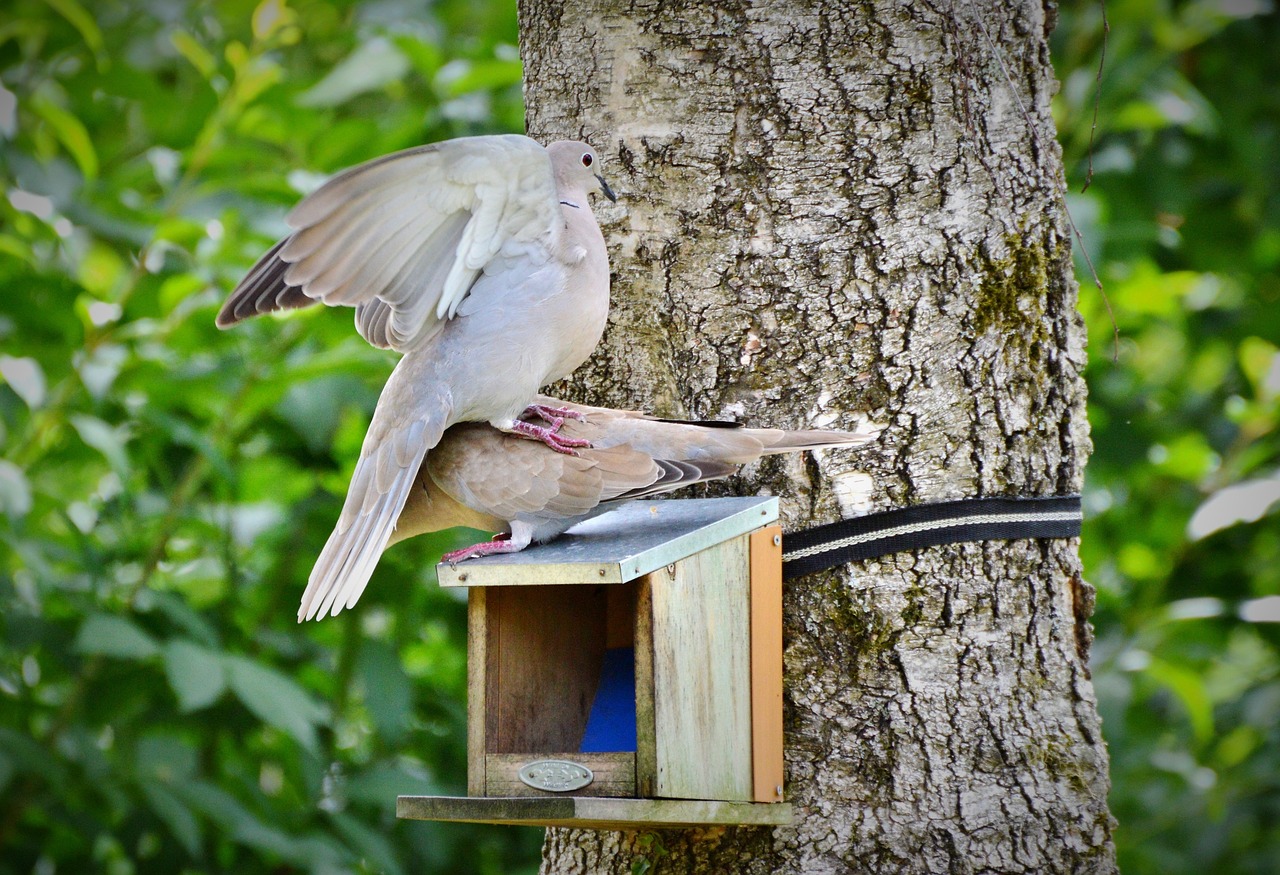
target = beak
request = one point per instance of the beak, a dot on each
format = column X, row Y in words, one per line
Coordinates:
column 608, row 192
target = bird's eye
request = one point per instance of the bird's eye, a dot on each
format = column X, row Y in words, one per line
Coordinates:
column 587, row 159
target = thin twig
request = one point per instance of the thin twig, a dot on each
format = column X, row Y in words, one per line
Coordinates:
column 1097, row 98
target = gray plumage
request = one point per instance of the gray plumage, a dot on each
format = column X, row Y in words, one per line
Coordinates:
column 485, row 479
column 481, row 261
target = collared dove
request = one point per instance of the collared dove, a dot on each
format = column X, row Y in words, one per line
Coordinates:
column 485, row 479
column 479, row 259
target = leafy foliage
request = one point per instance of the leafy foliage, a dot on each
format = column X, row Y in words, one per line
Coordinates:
column 1183, row 221
column 165, row 485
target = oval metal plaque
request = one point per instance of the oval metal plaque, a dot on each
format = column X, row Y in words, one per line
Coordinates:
column 556, row 776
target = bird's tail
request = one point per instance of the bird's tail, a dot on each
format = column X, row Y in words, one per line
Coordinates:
column 725, row 442
column 403, row 429
column 776, row 440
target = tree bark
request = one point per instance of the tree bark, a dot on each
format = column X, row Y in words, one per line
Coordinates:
column 834, row 212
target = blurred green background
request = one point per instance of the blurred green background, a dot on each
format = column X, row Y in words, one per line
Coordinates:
column 164, row 486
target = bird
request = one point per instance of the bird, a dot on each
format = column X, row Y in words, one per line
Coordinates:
column 480, row 260
column 487, row 479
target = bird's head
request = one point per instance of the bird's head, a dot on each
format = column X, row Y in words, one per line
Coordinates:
column 576, row 163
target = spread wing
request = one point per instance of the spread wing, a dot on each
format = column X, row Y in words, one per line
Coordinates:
column 402, row 238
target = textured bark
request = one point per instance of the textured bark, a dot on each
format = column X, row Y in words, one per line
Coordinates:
column 832, row 212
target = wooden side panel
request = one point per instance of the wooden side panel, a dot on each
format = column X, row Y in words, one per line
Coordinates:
column 477, row 661
column 646, row 742
column 702, row 675
column 766, row 664
column 614, row 774
column 545, row 648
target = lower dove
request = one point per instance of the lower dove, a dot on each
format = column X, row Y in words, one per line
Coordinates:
column 483, row 478
column 481, row 261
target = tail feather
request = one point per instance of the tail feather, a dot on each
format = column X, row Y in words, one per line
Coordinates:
column 393, row 451
column 782, row 441
column 677, row 474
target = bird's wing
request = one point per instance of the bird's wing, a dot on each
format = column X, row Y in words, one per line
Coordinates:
column 511, row 477
column 402, row 238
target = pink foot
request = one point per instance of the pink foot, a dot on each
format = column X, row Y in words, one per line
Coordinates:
column 548, row 436
column 552, row 414
column 501, row 543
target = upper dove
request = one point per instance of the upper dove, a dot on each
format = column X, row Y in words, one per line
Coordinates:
column 478, row 258
column 485, row 479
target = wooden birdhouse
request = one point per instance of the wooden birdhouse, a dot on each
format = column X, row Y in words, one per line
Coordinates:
column 628, row 674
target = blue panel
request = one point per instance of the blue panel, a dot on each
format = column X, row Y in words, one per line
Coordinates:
column 612, row 724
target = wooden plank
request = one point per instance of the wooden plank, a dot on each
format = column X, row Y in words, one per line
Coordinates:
column 614, row 773
column 592, row 813
column 477, row 661
column 702, row 675
column 546, row 646
column 766, row 664
column 646, row 742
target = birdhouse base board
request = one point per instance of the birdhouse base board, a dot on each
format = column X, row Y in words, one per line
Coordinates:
column 591, row 812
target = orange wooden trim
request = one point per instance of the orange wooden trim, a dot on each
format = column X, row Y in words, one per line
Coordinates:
column 766, row 664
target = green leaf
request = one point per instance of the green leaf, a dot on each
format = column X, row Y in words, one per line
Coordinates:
column 371, row 66
column 70, row 132
column 369, row 844
column 83, row 21
column 1188, row 687
column 1260, row 361
column 25, row 377
column 383, row 781
column 15, row 490
column 30, row 757
column 215, row 803
column 177, row 816
column 111, row 635
column 105, row 439
column 275, row 699
column 196, row 674
column 197, row 55
column 387, row 692
column 269, row 17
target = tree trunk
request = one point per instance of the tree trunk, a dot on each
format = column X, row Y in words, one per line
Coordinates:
column 831, row 212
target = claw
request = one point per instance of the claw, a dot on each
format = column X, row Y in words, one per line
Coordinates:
column 548, row 436
column 501, row 543
column 551, row 414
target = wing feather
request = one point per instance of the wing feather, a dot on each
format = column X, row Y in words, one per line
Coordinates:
column 413, row 230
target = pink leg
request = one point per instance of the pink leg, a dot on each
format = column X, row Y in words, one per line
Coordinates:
column 501, row 543
column 551, row 414
column 549, row 437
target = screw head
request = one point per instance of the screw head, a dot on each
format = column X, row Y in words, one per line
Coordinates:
column 777, row 540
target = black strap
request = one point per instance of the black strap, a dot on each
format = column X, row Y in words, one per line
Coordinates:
column 929, row 525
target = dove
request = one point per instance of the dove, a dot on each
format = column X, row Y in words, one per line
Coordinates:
column 477, row 258
column 483, row 478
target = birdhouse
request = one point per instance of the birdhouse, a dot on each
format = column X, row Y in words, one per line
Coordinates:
column 628, row 674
